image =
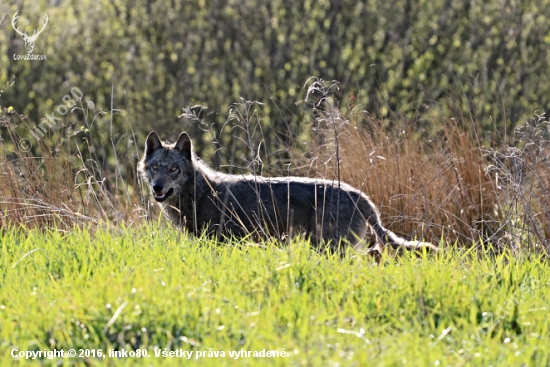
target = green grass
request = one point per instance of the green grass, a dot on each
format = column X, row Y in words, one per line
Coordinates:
column 153, row 287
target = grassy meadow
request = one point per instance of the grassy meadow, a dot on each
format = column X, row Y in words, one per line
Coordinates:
column 153, row 288
column 435, row 109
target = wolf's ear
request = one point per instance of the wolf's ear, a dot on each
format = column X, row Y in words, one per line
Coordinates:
column 152, row 143
column 184, row 145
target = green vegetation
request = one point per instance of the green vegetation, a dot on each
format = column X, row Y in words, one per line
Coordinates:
column 438, row 116
column 418, row 59
column 153, row 287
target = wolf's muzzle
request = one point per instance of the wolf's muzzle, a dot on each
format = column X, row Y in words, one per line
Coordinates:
column 158, row 192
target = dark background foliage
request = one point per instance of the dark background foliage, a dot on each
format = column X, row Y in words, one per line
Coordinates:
column 154, row 58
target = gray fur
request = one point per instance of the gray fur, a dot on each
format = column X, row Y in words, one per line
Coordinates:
column 197, row 198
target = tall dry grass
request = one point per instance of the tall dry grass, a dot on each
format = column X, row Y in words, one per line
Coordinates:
column 445, row 186
column 436, row 189
column 59, row 186
column 522, row 173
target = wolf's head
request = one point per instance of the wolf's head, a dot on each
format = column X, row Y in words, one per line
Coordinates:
column 167, row 167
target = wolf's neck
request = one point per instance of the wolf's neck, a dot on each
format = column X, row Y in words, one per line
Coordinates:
column 204, row 178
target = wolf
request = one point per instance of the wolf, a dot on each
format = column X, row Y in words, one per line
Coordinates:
column 197, row 198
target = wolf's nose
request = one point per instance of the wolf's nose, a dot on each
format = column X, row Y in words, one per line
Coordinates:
column 157, row 187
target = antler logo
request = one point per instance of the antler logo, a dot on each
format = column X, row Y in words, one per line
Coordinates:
column 29, row 40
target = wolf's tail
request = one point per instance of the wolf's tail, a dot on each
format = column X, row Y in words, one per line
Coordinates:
column 387, row 237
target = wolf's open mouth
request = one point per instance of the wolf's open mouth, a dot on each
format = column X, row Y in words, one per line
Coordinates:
column 161, row 198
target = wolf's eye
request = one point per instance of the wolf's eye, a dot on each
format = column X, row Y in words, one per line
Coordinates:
column 173, row 169
column 155, row 166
